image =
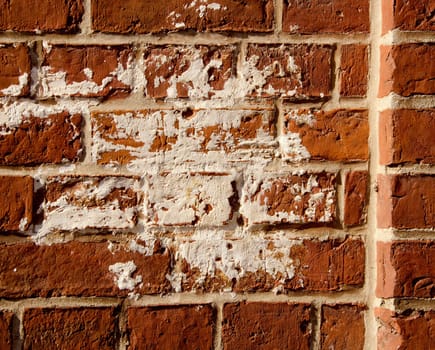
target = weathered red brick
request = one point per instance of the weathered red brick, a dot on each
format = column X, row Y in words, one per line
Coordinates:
column 355, row 197
column 51, row 139
column 259, row 263
column 408, row 15
column 188, row 71
column 414, row 329
column 16, row 203
column 354, row 70
column 326, row 16
column 407, row 136
column 171, row 327
column 41, row 16
column 162, row 136
column 186, row 199
column 102, row 202
column 289, row 71
column 6, row 330
column 342, row 327
column 276, row 198
column 86, row 71
column 414, row 59
column 70, row 328
column 406, row 201
column 137, row 16
column 80, row 269
column 267, row 326
column 406, row 269
column 338, row 135
column 14, row 69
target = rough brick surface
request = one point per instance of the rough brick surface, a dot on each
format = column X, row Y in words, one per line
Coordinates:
column 38, row 16
column 410, row 330
column 214, row 263
column 14, row 70
column 406, row 269
column 356, row 197
column 16, row 203
column 6, row 330
column 342, row 327
column 407, row 136
column 80, row 269
column 408, row 15
column 170, row 138
column 406, row 201
column 51, row 139
column 289, row 199
column 188, row 71
column 83, row 328
column 178, row 327
column 137, row 16
column 185, row 199
column 354, row 70
column 78, row 203
column 414, row 59
column 326, row 16
column 267, row 326
column 338, row 135
column 85, row 71
column 290, row 71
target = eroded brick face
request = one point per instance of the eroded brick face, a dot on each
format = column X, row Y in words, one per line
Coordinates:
column 178, row 327
column 356, row 197
column 14, row 70
column 135, row 16
column 6, row 330
column 354, row 70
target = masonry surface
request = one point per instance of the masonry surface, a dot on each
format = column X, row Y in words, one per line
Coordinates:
column 217, row 174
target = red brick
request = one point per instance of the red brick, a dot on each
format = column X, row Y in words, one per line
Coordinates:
column 45, row 16
column 355, row 198
column 52, row 139
column 407, row 136
column 326, row 16
column 6, row 330
column 188, row 71
column 338, row 135
column 276, row 198
column 99, row 202
column 150, row 137
column 406, row 269
column 406, row 201
column 342, row 327
column 291, row 71
column 260, row 263
column 70, row 328
column 414, row 59
column 354, row 70
column 79, row 269
column 191, row 199
column 266, row 326
column 137, row 16
column 408, row 330
column 86, row 71
column 408, row 15
column 16, row 203
column 14, row 70
column 171, row 327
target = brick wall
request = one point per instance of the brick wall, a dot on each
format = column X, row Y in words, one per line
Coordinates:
column 217, row 174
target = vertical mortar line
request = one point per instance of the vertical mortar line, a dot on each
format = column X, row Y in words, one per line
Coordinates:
column 341, row 176
column 122, row 325
column 317, row 313
column 278, row 5
column 18, row 332
column 374, row 107
column 87, row 137
column 335, row 97
column 85, row 25
column 217, row 339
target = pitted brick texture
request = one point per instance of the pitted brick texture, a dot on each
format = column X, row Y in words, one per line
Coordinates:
column 15, row 68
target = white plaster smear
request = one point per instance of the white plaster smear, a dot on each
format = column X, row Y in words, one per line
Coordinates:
column 124, row 275
column 234, row 255
column 15, row 90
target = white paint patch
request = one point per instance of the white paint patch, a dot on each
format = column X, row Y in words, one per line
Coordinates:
column 124, row 275
column 16, row 90
column 23, row 224
column 213, row 251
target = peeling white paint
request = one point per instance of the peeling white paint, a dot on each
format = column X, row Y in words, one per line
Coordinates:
column 23, row 224
column 16, row 90
column 124, row 275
